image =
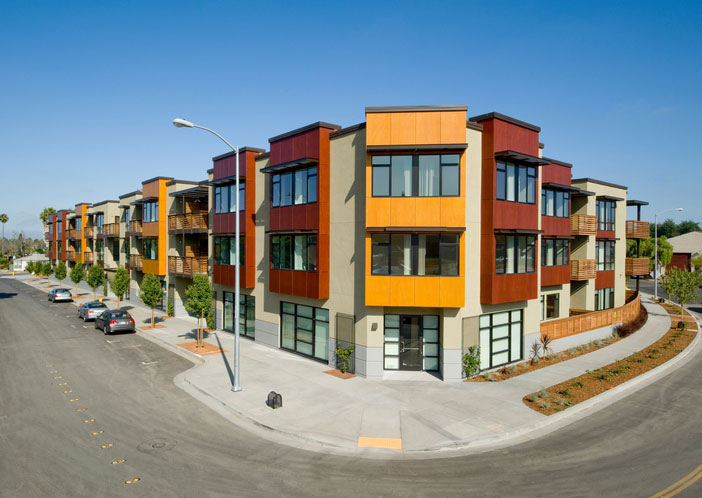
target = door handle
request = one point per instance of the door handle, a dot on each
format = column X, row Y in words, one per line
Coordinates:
column 402, row 347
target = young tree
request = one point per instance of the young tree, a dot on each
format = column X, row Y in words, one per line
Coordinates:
column 683, row 287
column 37, row 268
column 3, row 220
column 29, row 267
column 151, row 293
column 697, row 262
column 61, row 271
column 199, row 301
column 665, row 251
column 77, row 274
column 95, row 278
column 47, row 270
column 120, row 284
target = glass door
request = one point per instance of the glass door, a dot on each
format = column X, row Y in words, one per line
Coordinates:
column 410, row 343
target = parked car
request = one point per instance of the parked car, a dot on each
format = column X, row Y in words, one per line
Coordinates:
column 60, row 295
column 90, row 311
column 114, row 321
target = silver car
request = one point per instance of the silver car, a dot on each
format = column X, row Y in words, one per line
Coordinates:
column 90, row 311
column 60, row 295
column 114, row 321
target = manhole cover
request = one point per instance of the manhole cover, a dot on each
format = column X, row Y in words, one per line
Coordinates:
column 157, row 445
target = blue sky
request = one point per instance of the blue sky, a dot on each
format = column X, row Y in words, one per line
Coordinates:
column 88, row 89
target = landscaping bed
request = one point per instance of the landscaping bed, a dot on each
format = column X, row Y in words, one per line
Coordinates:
column 576, row 390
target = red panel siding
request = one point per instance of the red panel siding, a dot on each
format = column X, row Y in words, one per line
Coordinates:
column 555, row 173
column 605, row 234
column 604, row 279
column 680, row 260
column 552, row 225
column 555, row 275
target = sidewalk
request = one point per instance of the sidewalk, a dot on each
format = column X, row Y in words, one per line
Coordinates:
column 404, row 418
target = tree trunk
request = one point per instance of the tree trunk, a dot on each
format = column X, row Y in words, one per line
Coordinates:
column 94, row 297
column 152, row 317
column 202, row 326
column 119, row 300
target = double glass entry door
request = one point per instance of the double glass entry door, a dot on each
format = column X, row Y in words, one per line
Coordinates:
column 411, row 342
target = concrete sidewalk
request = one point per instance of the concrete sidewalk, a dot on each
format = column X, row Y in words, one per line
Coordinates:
column 403, row 416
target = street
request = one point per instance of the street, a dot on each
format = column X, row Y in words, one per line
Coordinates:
column 83, row 414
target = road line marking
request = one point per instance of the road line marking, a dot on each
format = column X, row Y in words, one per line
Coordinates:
column 671, row 491
column 380, row 442
column 112, row 342
column 72, row 400
column 89, row 420
column 149, row 363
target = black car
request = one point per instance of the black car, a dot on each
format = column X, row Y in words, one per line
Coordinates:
column 114, row 321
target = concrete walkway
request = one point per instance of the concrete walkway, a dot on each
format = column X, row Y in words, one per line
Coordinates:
column 402, row 416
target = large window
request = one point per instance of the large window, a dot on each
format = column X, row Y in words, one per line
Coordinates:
column 295, row 187
column 59, row 232
column 247, row 314
column 99, row 249
column 414, row 254
column 127, row 213
column 79, row 223
column 605, row 255
column 150, row 249
column 225, row 251
column 550, row 306
column 99, row 220
column 225, row 198
column 416, row 176
column 516, row 183
column 555, row 203
column 515, row 254
column 400, row 339
column 604, row 299
column 294, row 252
column 554, row 252
column 305, row 330
column 500, row 338
column 150, row 212
column 605, row 215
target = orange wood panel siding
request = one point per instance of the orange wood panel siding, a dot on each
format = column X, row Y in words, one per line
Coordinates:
column 411, row 128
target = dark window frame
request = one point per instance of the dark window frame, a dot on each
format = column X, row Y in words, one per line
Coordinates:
column 444, row 165
column 530, row 243
column 609, row 247
column 277, row 180
column 414, row 254
column 314, row 320
column 276, row 251
column 606, row 222
column 492, row 339
column 555, row 261
column 221, row 256
column 531, row 176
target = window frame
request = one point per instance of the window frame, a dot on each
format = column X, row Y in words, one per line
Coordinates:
column 277, row 246
column 609, row 210
column 565, row 243
column 314, row 318
column 490, row 328
column 414, row 253
column 502, row 190
column 222, row 250
column 530, row 242
column 445, row 164
column 565, row 199
column 608, row 249
column 277, row 192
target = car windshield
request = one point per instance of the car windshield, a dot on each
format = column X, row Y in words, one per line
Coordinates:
column 120, row 314
column 61, row 290
column 97, row 305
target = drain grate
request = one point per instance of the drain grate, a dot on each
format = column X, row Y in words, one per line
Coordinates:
column 157, row 445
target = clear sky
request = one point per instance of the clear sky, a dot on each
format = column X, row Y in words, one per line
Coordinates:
column 88, row 89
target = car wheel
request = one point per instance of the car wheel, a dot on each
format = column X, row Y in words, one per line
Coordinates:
column 107, row 330
column 84, row 319
column 96, row 325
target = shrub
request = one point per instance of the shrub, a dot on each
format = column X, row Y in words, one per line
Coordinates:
column 342, row 357
column 535, row 353
column 210, row 319
column 543, row 393
column 471, row 361
column 632, row 326
column 577, row 383
column 544, row 405
column 532, row 397
column 170, row 308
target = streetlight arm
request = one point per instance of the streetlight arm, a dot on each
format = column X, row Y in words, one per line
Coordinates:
column 217, row 135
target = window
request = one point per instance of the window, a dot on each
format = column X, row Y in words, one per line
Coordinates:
column 79, row 223
column 225, row 250
column 516, row 183
column 294, row 252
column 555, row 203
column 296, row 187
column 604, row 299
column 414, row 254
column 150, row 212
column 225, row 198
column 605, row 255
column 59, row 233
column 99, row 249
column 126, row 219
column 99, row 220
column 549, row 306
column 150, row 249
column 428, row 340
column 500, row 338
column 515, row 254
column 247, row 314
column 416, row 175
column 555, row 252
column 605, row 215
column 305, row 330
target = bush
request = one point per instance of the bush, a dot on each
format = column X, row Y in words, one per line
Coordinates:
column 342, row 357
column 471, row 361
column 211, row 319
column 170, row 308
column 632, row 326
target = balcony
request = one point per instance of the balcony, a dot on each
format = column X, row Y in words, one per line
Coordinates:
column 187, row 266
column 135, row 227
column 88, row 258
column 72, row 256
column 188, row 223
column 636, row 266
column 110, row 230
column 89, row 232
column 47, row 235
column 583, row 224
column 135, row 261
column 583, row 269
column 73, row 234
column 637, row 229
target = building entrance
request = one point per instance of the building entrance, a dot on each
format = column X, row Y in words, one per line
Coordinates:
column 411, row 342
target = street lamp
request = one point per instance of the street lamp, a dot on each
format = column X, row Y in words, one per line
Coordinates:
column 655, row 257
column 182, row 123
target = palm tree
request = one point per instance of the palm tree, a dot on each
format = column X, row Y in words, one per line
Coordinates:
column 3, row 220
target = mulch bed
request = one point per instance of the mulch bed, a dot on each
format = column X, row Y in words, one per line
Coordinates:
column 340, row 374
column 576, row 390
column 149, row 327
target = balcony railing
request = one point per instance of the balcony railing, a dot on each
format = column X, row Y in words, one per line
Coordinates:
column 110, row 230
column 187, row 266
column 71, row 256
column 583, row 224
column 637, row 229
column 135, row 261
column 636, row 266
column 74, row 234
column 190, row 221
column 47, row 235
column 583, row 269
column 136, row 227
column 89, row 232
column 88, row 258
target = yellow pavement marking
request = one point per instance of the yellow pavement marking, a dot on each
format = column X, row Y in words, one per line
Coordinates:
column 59, row 377
column 117, row 462
column 380, row 442
column 98, row 432
column 89, row 420
column 72, row 400
column 106, row 446
column 69, row 391
column 81, row 409
column 136, row 479
column 63, row 384
column 680, row 485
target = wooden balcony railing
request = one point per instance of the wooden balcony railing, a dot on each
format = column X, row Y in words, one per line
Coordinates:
column 136, row 227
column 190, row 221
column 582, row 322
column 71, row 256
column 583, row 269
column 187, row 266
column 636, row 266
column 73, row 233
column 637, row 229
column 88, row 258
column 135, row 261
column 583, row 224
column 89, row 232
column 110, row 230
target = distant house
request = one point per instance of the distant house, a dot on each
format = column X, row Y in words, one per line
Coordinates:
column 19, row 264
column 685, row 247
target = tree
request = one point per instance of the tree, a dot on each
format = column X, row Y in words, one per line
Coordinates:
column 199, row 300
column 120, row 284
column 151, row 293
column 29, row 267
column 3, row 220
column 44, row 215
column 95, row 278
column 37, row 268
column 687, row 226
column 666, row 229
column 682, row 285
column 665, row 251
column 47, row 270
column 77, row 274
column 697, row 262
column 61, row 271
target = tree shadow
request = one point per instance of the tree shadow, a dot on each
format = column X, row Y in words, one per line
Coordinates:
column 193, row 334
column 7, row 295
column 226, row 362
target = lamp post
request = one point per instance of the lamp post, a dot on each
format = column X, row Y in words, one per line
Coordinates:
column 655, row 257
column 182, row 123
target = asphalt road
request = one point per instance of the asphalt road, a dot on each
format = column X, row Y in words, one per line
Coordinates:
column 179, row 448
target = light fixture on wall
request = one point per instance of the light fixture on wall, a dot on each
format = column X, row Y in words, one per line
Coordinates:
column 374, row 326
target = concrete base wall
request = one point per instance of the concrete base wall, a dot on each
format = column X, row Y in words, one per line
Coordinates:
column 578, row 339
column 369, row 362
column 451, row 365
column 267, row 333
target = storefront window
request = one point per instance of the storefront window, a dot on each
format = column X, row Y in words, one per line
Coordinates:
column 500, row 338
column 305, row 330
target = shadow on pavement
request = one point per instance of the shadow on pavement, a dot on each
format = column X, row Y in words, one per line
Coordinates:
column 226, row 362
column 7, row 295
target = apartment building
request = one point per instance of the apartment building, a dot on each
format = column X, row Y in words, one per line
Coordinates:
column 412, row 236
